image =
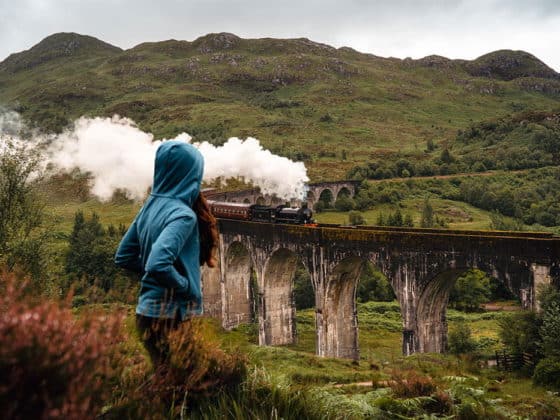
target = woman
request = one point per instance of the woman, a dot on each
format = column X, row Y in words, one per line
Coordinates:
column 163, row 245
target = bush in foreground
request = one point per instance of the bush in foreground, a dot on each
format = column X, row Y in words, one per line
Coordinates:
column 198, row 365
column 198, row 374
column 52, row 364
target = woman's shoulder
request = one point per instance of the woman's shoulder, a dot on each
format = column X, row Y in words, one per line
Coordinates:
column 179, row 208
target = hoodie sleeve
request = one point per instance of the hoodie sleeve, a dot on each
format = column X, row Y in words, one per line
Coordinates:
column 165, row 251
column 128, row 252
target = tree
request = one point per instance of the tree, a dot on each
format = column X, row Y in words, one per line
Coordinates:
column 355, row 218
column 395, row 219
column 460, row 339
column 319, row 206
column 549, row 141
column 446, row 157
column 408, row 221
column 89, row 260
column 470, row 291
column 478, row 167
column 524, row 337
column 499, row 222
column 427, row 220
column 549, row 331
column 327, row 198
column 344, row 203
column 549, row 300
column 22, row 232
column 373, row 285
column 430, row 146
column 304, row 295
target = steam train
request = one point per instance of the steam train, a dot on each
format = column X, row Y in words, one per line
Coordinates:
column 257, row 213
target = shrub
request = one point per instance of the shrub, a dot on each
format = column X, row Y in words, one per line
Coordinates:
column 547, row 373
column 355, row 218
column 411, row 385
column 53, row 365
column 390, row 405
column 524, row 338
column 460, row 340
column 479, row 167
column 319, row 206
column 198, row 369
column 344, row 204
column 473, row 403
column 548, row 295
column 23, row 237
column 549, row 330
column 326, row 118
column 440, row 403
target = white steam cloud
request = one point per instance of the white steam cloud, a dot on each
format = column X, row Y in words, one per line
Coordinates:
column 119, row 155
column 11, row 124
column 113, row 150
column 246, row 158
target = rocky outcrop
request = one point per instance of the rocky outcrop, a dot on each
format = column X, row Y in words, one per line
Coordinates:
column 509, row 65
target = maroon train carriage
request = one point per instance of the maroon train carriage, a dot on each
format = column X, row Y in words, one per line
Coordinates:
column 236, row 211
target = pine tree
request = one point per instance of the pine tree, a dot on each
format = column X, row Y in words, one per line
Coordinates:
column 427, row 220
column 398, row 218
column 446, row 157
column 408, row 221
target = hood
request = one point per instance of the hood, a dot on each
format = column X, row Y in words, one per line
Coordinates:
column 178, row 171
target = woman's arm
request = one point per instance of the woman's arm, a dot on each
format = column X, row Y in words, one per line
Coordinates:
column 128, row 252
column 165, row 251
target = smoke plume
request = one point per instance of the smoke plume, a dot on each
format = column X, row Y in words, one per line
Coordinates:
column 119, row 155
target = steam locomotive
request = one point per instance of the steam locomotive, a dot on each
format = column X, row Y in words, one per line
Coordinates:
column 257, row 213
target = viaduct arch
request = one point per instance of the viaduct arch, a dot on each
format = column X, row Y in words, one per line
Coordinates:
column 314, row 191
column 336, row 189
column 421, row 265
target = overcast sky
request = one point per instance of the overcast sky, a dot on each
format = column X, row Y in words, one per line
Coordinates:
column 398, row 28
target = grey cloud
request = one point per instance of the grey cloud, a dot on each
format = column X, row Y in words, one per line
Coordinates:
column 460, row 28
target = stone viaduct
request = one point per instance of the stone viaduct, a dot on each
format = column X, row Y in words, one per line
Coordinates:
column 314, row 192
column 421, row 264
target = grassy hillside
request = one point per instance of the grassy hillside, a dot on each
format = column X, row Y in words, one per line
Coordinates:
column 332, row 108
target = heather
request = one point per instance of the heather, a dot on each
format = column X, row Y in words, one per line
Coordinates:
column 52, row 363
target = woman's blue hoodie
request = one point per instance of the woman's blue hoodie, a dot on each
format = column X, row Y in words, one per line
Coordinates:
column 163, row 243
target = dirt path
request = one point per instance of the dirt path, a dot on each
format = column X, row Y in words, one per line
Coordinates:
column 501, row 306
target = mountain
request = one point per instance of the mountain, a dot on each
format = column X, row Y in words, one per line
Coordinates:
column 333, row 108
column 56, row 47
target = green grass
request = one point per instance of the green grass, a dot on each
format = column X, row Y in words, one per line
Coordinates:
column 380, row 342
column 459, row 215
column 295, row 366
column 60, row 217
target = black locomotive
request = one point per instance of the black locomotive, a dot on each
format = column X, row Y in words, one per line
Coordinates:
column 257, row 213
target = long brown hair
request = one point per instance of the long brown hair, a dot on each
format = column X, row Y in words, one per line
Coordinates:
column 208, row 232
